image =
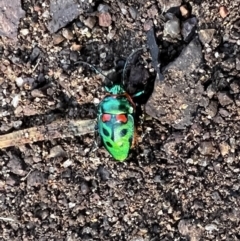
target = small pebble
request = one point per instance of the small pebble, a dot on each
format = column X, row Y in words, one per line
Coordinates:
column 76, row 47
column 188, row 28
column 211, row 227
column 111, row 34
column 15, row 101
column 208, row 50
column 224, row 99
column 24, row 31
column 17, row 111
column 212, row 109
column 35, row 53
column 104, row 19
column 133, row 12
column 84, row 188
column 17, row 124
column 96, row 101
column 103, row 173
column 19, row 81
column 226, row 37
column 184, row 11
column 216, row 55
column 172, row 27
column 85, row 31
column 57, row 39
column 152, row 12
column 46, row 14
column 37, row 93
column 56, row 151
column 73, row 56
column 122, row 7
column 71, row 205
column 67, row 34
column 147, row 25
column 37, row 8
column 206, row 35
column 35, row 178
column 44, row 214
column 223, row 12
column 224, row 148
column 103, row 8
column 157, row 179
column 230, row 159
column 206, row 148
column 67, row 163
column 79, row 23
column 103, row 55
column 90, row 22
column 237, row 63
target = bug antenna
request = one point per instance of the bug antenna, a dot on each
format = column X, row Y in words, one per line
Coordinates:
column 93, row 67
column 126, row 63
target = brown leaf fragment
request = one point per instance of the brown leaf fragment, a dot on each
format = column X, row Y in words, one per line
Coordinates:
column 11, row 12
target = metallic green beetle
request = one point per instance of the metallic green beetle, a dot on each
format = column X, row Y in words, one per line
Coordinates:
column 115, row 119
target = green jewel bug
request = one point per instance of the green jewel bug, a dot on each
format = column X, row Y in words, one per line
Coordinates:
column 116, row 117
column 116, row 122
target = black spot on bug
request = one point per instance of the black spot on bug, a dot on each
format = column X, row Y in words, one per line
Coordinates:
column 109, row 144
column 105, row 132
column 123, row 132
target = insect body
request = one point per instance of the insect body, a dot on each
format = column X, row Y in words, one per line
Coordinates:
column 116, row 117
column 116, row 125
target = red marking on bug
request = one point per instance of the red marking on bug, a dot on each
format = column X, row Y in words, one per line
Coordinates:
column 122, row 118
column 106, row 117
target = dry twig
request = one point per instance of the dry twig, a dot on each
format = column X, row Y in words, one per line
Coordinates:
column 58, row 129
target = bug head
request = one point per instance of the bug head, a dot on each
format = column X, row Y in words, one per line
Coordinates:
column 113, row 82
column 115, row 89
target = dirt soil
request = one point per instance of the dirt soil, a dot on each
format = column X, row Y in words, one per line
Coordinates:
column 181, row 180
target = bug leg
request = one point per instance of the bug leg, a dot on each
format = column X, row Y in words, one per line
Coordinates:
column 141, row 122
column 135, row 141
column 138, row 94
column 93, row 67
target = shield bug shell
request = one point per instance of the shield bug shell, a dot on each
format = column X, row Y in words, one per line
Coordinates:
column 116, row 122
column 116, row 118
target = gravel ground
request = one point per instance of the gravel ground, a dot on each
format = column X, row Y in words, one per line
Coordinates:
column 181, row 180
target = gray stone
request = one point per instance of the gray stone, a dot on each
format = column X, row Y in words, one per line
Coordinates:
column 11, row 13
column 188, row 28
column 206, row 148
column 64, row 12
column 224, row 99
column 175, row 100
column 172, row 28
